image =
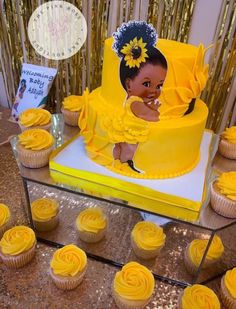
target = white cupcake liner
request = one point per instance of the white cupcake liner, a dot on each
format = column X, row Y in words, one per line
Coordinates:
column 221, row 204
column 123, row 303
column 191, row 267
column 69, row 282
column 227, row 299
column 46, row 127
column 145, row 254
column 20, row 260
column 92, row 237
column 70, row 118
column 227, row 149
column 46, row 226
column 33, row 159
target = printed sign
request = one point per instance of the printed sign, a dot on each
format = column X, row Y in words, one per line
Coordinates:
column 34, row 86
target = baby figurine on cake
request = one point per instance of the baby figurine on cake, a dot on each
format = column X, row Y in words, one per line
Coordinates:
column 143, row 71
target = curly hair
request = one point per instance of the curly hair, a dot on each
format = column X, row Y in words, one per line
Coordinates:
column 126, row 33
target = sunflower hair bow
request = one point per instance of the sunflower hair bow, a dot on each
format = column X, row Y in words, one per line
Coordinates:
column 135, row 52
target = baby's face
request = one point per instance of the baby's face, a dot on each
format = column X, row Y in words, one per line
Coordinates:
column 147, row 84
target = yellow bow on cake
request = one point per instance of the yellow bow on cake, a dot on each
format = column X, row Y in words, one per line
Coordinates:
column 182, row 84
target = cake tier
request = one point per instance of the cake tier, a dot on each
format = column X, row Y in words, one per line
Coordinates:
column 186, row 77
column 170, row 147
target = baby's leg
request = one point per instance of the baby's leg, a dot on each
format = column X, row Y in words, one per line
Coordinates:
column 117, row 151
column 127, row 151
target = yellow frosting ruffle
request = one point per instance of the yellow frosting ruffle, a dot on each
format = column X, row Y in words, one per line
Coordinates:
column 230, row 134
column 17, row 240
column 68, row 261
column 93, row 141
column 230, row 281
column 199, row 297
column 148, row 235
column 126, row 127
column 35, row 117
column 91, row 220
column 4, row 214
column 44, row 209
column 198, row 247
column 36, row 139
column 134, row 282
column 182, row 84
column 227, row 185
column 73, row 103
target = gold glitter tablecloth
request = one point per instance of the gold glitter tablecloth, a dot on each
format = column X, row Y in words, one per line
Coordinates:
column 31, row 286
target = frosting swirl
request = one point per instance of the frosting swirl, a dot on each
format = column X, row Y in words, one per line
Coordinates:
column 230, row 134
column 17, row 240
column 36, row 139
column 73, row 103
column 148, row 235
column 227, row 185
column 68, row 261
column 229, row 280
column 44, row 209
column 91, row 220
column 199, row 297
column 198, row 246
column 34, row 117
column 4, row 214
column 134, row 282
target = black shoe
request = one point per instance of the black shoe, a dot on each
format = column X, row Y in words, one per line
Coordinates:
column 131, row 165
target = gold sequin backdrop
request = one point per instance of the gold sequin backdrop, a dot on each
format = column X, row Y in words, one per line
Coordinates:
column 171, row 18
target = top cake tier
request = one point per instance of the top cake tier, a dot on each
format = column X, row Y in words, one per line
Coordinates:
column 186, row 77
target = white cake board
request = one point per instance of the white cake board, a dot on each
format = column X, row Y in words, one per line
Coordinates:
column 189, row 186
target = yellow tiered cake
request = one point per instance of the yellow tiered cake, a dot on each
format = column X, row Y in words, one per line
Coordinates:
column 167, row 148
column 141, row 131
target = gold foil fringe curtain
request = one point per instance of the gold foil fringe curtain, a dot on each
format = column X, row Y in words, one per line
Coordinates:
column 220, row 91
column 171, row 18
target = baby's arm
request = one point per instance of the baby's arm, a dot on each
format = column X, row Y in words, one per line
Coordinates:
column 146, row 111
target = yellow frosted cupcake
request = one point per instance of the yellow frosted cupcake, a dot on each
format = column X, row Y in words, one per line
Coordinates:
column 35, row 118
column 147, row 239
column 71, row 109
column 227, row 145
column 91, row 224
column 198, row 297
column 68, row 267
column 133, row 286
column 4, row 218
column 34, row 148
column 17, row 246
column 195, row 250
column 223, row 195
column 228, row 289
column 45, row 214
